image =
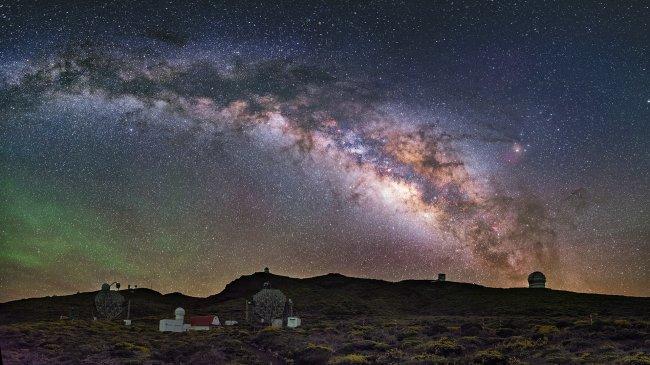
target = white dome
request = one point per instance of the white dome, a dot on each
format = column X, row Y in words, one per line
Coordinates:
column 179, row 312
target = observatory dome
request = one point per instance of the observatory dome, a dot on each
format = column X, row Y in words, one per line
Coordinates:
column 536, row 280
column 179, row 312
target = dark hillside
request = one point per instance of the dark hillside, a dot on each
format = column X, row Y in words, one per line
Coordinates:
column 144, row 302
column 337, row 295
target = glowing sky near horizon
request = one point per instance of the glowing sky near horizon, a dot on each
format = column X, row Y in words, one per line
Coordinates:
column 178, row 149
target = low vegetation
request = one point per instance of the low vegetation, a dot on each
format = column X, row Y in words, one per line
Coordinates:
column 369, row 340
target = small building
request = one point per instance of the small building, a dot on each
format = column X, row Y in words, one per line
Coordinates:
column 266, row 270
column 293, row 322
column 536, row 280
column 203, row 323
column 174, row 325
column 442, row 277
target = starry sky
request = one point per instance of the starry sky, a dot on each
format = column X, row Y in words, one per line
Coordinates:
column 179, row 146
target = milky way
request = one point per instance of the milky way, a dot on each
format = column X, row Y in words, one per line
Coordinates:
column 180, row 166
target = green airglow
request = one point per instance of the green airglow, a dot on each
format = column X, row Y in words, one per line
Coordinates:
column 39, row 231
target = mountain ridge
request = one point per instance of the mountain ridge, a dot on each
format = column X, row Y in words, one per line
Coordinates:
column 335, row 295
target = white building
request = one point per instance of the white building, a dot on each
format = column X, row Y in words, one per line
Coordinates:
column 174, row 325
column 293, row 322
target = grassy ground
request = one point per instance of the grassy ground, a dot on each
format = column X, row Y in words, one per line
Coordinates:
column 386, row 340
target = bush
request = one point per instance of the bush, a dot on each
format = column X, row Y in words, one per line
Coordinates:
column 443, row 346
column 426, row 359
column 546, row 329
column 581, row 324
column 392, row 356
column 435, row 329
column 409, row 343
column 409, row 333
column 622, row 323
column 505, row 332
column 349, row 359
column 520, row 343
column 470, row 329
column 127, row 349
column 636, row 359
column 492, row 357
column 270, row 329
column 563, row 323
column 363, row 345
column 212, row 356
column 625, row 334
column 313, row 354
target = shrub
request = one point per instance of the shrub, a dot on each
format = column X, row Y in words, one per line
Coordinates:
column 392, row 356
column 625, row 334
column 492, row 357
column 409, row 333
column 520, row 343
column 313, row 354
column 577, row 344
column 212, row 356
column 411, row 342
column 52, row 347
column 349, row 359
column 363, row 345
column 230, row 345
column 622, row 323
column 546, row 329
column 426, row 359
column 581, row 324
column 270, row 329
column 563, row 323
column 433, row 329
column 470, row 329
column 273, row 339
column 598, row 324
column 443, row 346
column 636, row 359
column 505, row 332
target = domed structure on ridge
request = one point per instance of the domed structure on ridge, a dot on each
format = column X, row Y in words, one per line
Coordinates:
column 536, row 280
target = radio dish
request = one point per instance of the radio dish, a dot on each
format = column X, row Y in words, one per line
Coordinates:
column 109, row 303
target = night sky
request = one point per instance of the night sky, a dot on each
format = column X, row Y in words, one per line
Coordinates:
column 178, row 147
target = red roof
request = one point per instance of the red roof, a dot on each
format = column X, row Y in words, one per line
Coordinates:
column 201, row 320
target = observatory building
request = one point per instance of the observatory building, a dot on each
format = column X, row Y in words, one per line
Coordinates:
column 197, row 323
column 174, row 325
column 536, row 280
column 203, row 323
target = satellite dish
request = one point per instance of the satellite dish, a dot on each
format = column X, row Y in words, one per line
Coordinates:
column 109, row 303
column 268, row 303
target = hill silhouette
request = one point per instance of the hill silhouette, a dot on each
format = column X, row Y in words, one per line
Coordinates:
column 336, row 295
